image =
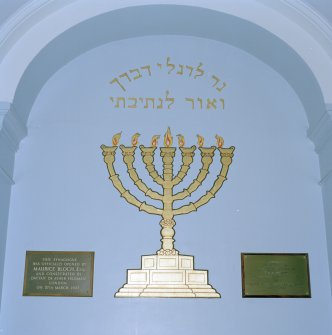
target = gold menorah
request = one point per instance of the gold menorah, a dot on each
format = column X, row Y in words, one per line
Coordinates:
column 175, row 265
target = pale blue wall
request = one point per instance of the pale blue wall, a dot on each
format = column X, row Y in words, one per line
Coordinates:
column 11, row 133
column 123, row 23
column 62, row 199
column 324, row 148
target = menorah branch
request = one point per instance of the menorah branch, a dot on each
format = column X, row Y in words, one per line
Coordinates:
column 207, row 158
column 226, row 160
column 148, row 158
column 109, row 158
column 187, row 158
column 129, row 158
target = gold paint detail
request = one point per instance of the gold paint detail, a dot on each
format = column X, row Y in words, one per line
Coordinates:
column 167, row 101
column 134, row 139
column 200, row 141
column 167, row 180
column 116, row 139
column 168, row 197
column 154, row 140
column 220, row 141
column 167, row 223
column 181, row 141
column 167, row 274
column 168, row 139
column 167, row 252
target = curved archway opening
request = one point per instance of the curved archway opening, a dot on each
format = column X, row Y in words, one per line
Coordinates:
column 154, row 20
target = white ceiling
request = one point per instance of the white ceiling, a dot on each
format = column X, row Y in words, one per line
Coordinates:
column 323, row 7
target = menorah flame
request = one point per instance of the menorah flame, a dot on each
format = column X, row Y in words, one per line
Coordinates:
column 168, row 181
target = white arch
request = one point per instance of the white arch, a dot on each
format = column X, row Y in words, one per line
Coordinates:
column 40, row 21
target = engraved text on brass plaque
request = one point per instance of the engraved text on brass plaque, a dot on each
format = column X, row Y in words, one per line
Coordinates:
column 58, row 273
column 275, row 275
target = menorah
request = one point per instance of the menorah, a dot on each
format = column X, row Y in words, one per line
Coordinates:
column 167, row 273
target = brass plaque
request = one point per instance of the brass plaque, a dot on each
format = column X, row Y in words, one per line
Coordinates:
column 275, row 275
column 58, row 273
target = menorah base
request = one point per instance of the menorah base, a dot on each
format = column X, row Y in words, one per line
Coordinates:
column 171, row 276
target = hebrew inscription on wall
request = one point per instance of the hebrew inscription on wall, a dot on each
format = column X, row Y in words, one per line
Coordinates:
column 123, row 100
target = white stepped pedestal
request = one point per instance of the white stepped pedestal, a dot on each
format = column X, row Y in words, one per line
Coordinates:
column 171, row 276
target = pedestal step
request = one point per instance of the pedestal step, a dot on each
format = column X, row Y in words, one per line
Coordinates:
column 167, row 291
column 171, row 276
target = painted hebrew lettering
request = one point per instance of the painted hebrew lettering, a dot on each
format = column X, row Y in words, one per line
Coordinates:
column 216, row 81
column 181, row 70
column 170, row 100
column 168, row 66
column 209, row 103
column 143, row 102
column 125, row 75
column 116, row 80
column 148, row 68
column 190, row 68
column 138, row 74
column 199, row 71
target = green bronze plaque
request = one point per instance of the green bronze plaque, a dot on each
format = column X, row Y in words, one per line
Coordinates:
column 58, row 273
column 275, row 275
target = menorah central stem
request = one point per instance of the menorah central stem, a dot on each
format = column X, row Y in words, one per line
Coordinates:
column 167, row 223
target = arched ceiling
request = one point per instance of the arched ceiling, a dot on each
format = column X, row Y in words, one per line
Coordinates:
column 322, row 7
column 282, row 34
column 41, row 21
